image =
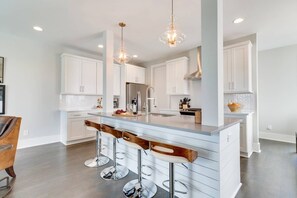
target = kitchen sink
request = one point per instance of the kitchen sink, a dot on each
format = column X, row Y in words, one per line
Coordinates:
column 161, row 114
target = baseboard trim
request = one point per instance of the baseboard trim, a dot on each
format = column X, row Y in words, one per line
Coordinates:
column 277, row 137
column 257, row 147
column 31, row 142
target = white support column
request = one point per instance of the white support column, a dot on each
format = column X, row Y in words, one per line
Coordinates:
column 108, row 71
column 212, row 61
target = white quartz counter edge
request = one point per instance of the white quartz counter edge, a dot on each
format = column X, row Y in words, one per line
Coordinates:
column 179, row 122
column 244, row 113
column 80, row 109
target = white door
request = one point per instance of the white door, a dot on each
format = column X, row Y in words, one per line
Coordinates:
column 116, row 80
column 89, row 77
column 76, row 129
column 99, row 78
column 72, row 75
column 159, row 84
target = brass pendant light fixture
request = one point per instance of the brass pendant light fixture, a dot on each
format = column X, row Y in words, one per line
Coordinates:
column 122, row 57
column 172, row 37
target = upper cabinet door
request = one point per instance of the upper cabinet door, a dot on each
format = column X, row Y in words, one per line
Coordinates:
column 99, row 78
column 89, row 70
column 228, row 70
column 175, row 71
column 140, row 75
column 71, row 75
column 238, row 68
column 135, row 74
column 116, row 80
column 242, row 69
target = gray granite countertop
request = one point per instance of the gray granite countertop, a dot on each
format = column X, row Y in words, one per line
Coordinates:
column 176, row 122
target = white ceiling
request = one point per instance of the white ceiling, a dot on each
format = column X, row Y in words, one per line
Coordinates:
column 77, row 23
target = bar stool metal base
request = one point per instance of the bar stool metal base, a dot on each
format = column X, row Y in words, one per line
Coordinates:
column 92, row 163
column 112, row 173
column 146, row 189
column 5, row 190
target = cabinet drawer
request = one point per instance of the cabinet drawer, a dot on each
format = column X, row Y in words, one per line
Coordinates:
column 77, row 114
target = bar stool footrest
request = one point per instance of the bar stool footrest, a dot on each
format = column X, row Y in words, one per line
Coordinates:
column 185, row 191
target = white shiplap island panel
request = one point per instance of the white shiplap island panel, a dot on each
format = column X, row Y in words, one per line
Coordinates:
column 216, row 171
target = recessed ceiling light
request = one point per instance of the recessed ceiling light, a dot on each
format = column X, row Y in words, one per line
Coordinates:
column 238, row 20
column 37, row 28
column 100, row 46
column 135, row 56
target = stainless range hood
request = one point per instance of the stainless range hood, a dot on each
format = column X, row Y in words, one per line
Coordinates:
column 198, row 73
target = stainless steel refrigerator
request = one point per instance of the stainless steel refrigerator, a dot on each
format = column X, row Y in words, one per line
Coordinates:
column 137, row 91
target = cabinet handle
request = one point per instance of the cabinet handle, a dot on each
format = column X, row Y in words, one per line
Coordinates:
column 83, row 88
column 76, row 115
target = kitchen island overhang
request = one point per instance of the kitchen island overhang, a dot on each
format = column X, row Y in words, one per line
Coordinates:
column 216, row 171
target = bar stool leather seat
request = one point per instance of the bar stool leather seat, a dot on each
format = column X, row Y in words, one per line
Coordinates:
column 172, row 154
column 99, row 160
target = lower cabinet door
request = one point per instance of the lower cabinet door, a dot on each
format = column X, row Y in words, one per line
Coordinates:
column 76, row 129
column 243, row 138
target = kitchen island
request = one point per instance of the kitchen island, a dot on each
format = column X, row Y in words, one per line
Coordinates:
column 216, row 171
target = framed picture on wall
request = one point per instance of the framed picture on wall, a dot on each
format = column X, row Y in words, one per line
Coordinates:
column 2, row 99
column 1, row 69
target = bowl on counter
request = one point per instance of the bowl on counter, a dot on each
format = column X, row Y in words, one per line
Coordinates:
column 234, row 107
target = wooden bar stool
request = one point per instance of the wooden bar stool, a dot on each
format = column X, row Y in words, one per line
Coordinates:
column 138, row 187
column 99, row 160
column 116, row 171
column 172, row 154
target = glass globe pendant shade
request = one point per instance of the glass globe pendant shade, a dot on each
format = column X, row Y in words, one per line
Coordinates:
column 122, row 57
column 172, row 37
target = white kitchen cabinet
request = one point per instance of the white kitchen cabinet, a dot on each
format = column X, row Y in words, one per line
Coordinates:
column 135, row 74
column 99, row 78
column 78, row 75
column 238, row 68
column 246, row 132
column 175, row 71
column 116, row 80
column 73, row 129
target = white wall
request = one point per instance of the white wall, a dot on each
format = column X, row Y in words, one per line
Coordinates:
column 32, row 79
column 278, row 92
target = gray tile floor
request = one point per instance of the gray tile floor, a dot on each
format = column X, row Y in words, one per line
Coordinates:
column 57, row 171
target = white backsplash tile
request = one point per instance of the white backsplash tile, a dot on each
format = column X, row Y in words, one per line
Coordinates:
column 246, row 100
column 75, row 101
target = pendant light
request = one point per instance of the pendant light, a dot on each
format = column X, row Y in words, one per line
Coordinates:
column 172, row 37
column 122, row 57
